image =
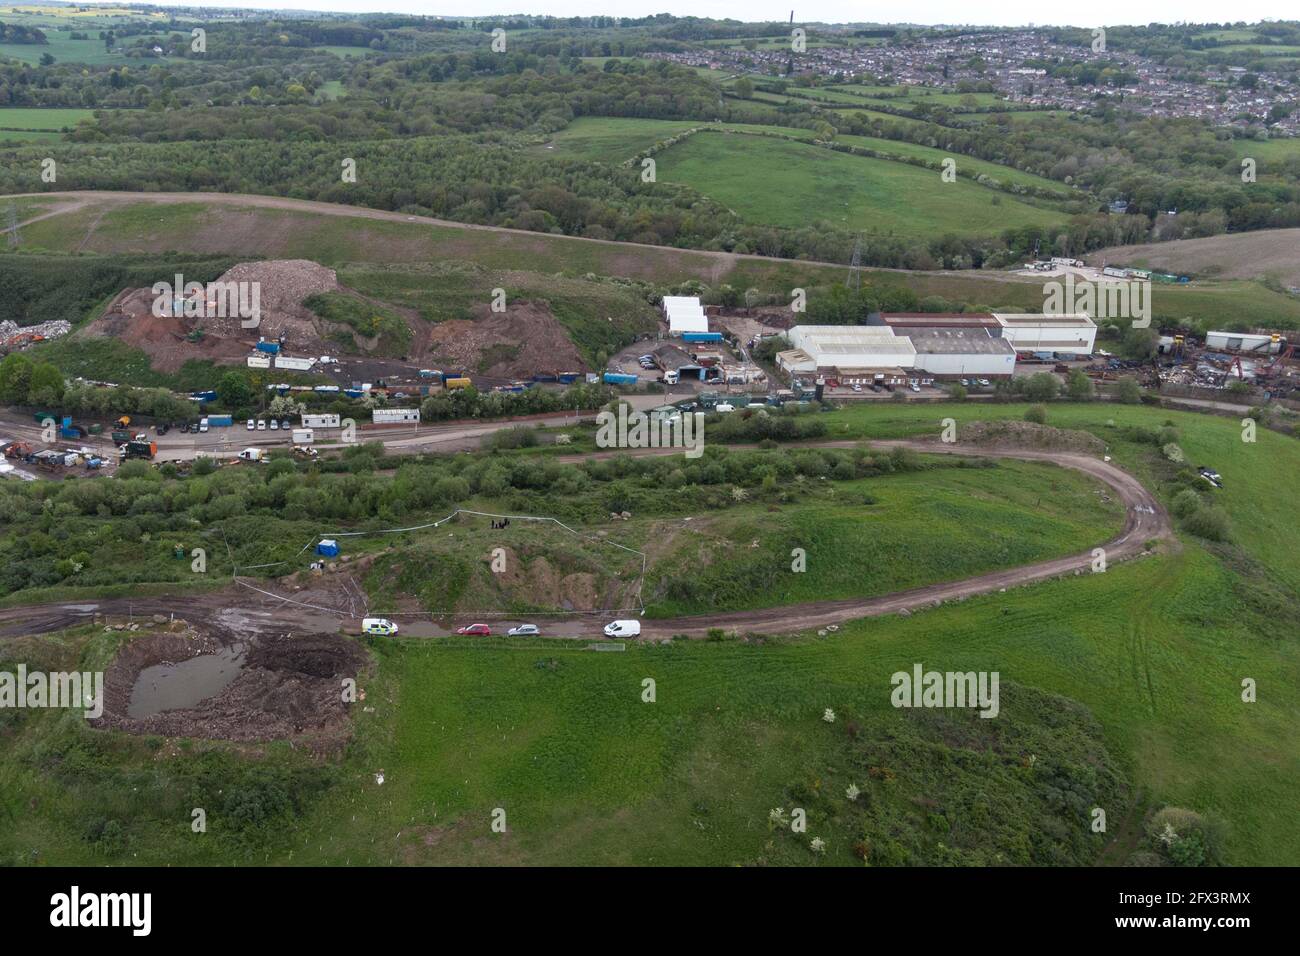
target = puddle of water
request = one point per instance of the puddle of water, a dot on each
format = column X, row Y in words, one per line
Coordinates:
column 177, row 686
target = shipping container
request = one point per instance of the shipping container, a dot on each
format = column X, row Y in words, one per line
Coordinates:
column 320, row 421
column 140, row 449
column 568, row 378
column 207, row 396
column 220, row 421
column 701, row 336
column 326, row 389
column 259, row 361
column 461, row 382
column 382, row 416
column 269, row 347
column 303, row 436
column 430, row 373
column 620, row 378
column 300, row 364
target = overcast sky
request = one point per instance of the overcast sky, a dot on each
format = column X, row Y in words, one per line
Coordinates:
column 1003, row 12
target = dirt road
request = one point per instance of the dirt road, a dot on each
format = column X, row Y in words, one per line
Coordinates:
column 245, row 609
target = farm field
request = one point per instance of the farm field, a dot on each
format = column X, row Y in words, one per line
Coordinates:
column 790, row 184
column 1242, row 255
column 39, row 125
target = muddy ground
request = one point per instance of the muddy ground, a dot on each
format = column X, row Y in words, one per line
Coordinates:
column 289, row 686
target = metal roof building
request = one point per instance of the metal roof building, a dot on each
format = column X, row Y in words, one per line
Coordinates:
column 961, row 351
column 849, row 346
column 1076, row 334
column 685, row 314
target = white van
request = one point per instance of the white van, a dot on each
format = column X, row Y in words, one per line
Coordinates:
column 623, row 629
column 378, row 625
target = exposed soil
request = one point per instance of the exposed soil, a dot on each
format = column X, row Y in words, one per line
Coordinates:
column 523, row 341
column 1013, row 434
column 283, row 284
column 290, row 686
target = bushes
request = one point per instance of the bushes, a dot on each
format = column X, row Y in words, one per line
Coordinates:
column 1036, row 414
column 1209, row 523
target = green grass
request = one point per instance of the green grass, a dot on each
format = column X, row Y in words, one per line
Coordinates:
column 42, row 119
column 559, row 737
column 790, row 184
column 875, row 536
column 610, row 140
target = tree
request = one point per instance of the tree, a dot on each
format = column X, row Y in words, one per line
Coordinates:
column 744, row 88
column 1042, row 387
column 15, row 379
column 46, row 386
column 1078, row 386
column 1128, row 391
column 234, row 390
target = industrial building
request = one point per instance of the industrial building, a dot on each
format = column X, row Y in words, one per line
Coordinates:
column 1071, row 334
column 888, row 355
column 845, row 347
column 684, row 314
column 961, row 352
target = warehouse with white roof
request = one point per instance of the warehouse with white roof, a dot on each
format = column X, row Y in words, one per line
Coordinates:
column 851, row 352
column 1073, row 334
column 684, row 314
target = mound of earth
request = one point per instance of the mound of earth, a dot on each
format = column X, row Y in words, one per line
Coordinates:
column 1017, row 434
column 523, row 341
column 171, row 340
column 286, row 686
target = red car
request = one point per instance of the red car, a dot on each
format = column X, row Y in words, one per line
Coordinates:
column 481, row 629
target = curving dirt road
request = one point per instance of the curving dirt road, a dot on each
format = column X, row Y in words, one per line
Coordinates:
column 244, row 609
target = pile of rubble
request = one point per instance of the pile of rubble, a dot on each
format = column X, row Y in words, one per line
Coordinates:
column 11, row 333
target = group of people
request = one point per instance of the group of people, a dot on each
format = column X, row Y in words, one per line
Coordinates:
column 498, row 525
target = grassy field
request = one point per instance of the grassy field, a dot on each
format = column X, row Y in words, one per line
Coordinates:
column 790, row 184
column 212, row 228
column 41, row 119
column 587, row 772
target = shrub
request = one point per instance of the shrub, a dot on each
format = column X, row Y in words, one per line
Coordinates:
column 1036, row 414
column 1207, row 522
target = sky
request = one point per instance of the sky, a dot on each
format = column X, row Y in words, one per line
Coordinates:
column 1000, row 13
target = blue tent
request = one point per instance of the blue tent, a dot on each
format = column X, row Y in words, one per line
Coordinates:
column 328, row 547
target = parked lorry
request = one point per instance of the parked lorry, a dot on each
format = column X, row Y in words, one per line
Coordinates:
column 139, row 449
column 252, row 454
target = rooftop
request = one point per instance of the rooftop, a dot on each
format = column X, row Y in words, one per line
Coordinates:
column 943, row 341
column 1077, row 320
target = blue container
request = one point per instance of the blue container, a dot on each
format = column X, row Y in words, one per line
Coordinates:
column 701, row 336
column 208, row 396
column 328, row 548
column 216, row 421
column 620, row 378
column 271, row 347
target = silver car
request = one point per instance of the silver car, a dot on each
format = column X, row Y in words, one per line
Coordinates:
column 524, row 630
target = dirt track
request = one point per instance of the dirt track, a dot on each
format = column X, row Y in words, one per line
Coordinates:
column 253, row 611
